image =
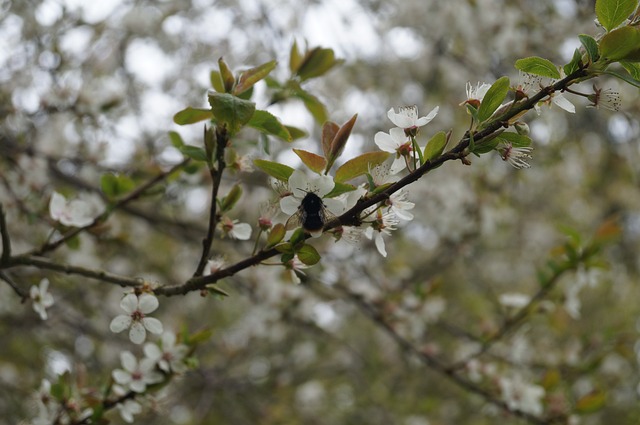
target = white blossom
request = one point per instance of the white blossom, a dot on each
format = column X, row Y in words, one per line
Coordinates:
column 514, row 300
column 169, row 356
column 128, row 409
column 134, row 375
column 516, row 156
column 399, row 205
column 476, row 94
column 41, row 298
column 137, row 308
column 235, row 230
column 384, row 224
column 407, row 117
column 521, row 395
column 75, row 213
column 395, row 142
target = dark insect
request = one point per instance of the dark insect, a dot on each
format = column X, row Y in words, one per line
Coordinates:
column 312, row 214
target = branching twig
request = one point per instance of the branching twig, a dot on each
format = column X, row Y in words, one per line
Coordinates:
column 23, row 295
column 216, row 172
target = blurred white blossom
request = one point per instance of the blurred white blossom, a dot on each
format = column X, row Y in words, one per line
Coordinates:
column 134, row 375
column 521, row 395
column 169, row 356
column 75, row 213
column 41, row 298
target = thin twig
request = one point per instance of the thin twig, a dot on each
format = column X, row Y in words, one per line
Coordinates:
column 6, row 240
column 23, row 295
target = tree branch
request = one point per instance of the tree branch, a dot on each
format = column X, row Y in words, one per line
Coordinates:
column 4, row 234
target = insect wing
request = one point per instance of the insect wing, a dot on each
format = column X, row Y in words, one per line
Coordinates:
column 295, row 220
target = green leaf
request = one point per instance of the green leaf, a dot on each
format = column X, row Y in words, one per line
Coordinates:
column 621, row 44
column 574, row 65
column 313, row 105
column 228, row 80
column 590, row 46
column 339, row 189
column 251, row 76
column 612, row 13
column 516, row 140
column 279, row 171
column 493, row 99
column 295, row 132
column 229, row 201
column 329, row 131
column 308, row 255
column 359, row 165
column 633, row 69
column 216, row 81
column 232, row 110
column 115, row 185
column 435, row 146
column 192, row 115
column 538, row 66
column 176, row 139
column 315, row 162
column 316, row 63
column 624, row 77
column 591, row 402
column 194, row 152
column 295, row 58
column 276, row 234
column 267, row 123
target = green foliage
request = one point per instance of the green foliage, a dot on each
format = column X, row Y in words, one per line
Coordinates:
column 276, row 234
column 315, row 107
column 230, row 110
column 538, row 66
column 194, row 152
column 267, row 123
column 315, row 162
column 612, row 13
column 316, row 62
column 493, row 98
column 176, row 139
column 308, row 255
column 590, row 46
column 279, row 171
column 229, row 201
column 359, row 165
column 251, row 76
column 516, row 140
column 192, row 115
column 574, row 64
column 621, row 44
column 116, row 185
column 435, row 146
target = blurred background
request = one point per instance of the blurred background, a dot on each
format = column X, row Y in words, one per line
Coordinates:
column 89, row 88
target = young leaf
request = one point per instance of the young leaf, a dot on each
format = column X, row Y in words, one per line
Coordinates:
column 632, row 68
column 279, row 171
column 276, row 234
column 316, row 63
column 329, row 131
column 251, row 76
column 575, row 63
column 229, row 201
column 359, row 165
column 267, row 123
column 493, row 98
column 232, row 110
column 308, row 255
column 295, row 132
column 435, row 146
column 115, row 185
column 228, row 80
column 216, row 81
column 339, row 141
column 339, row 189
column 591, row 402
column 590, row 46
column 176, row 139
column 313, row 105
column 192, row 115
column 194, row 152
column 612, row 13
column 315, row 162
column 295, row 58
column 538, row 66
column 621, row 44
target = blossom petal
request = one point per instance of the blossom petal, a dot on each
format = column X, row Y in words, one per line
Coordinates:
column 153, row 325
column 400, row 119
column 147, row 303
column 380, row 245
column 563, row 103
column 129, row 361
column 121, row 377
column 120, row 323
column 385, row 142
column 129, row 303
column 138, row 386
column 241, row 231
column 137, row 333
column 298, row 183
column 322, row 185
column 398, row 165
column 430, row 116
column 289, row 205
column 152, row 351
column 56, row 206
